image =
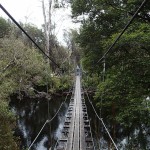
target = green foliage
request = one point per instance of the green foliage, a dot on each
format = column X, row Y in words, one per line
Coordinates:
column 123, row 95
column 104, row 18
column 7, row 141
column 7, row 87
column 35, row 33
column 22, row 68
column 90, row 81
column 27, row 62
column 60, row 84
column 65, row 82
column 127, row 82
column 4, row 27
column 19, row 66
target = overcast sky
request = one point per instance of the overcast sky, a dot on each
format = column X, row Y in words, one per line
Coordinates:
column 30, row 11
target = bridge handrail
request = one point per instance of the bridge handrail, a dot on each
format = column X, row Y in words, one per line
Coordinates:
column 48, row 121
column 91, row 133
column 101, row 119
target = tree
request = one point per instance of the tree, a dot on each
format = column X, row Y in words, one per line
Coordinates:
column 104, row 18
column 4, row 28
column 7, row 141
column 47, row 25
column 52, row 46
column 73, row 47
column 126, row 85
column 36, row 34
column 21, row 68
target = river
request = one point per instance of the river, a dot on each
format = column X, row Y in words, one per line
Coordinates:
column 32, row 113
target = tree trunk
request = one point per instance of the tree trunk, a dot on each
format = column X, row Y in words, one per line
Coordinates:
column 47, row 27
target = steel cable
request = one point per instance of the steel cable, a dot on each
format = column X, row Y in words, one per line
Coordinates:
column 19, row 26
column 101, row 119
column 48, row 121
column 38, row 134
column 125, row 28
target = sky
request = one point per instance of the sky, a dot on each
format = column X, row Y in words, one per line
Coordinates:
column 30, row 11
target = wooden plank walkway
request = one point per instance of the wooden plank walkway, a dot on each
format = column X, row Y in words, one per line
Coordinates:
column 76, row 133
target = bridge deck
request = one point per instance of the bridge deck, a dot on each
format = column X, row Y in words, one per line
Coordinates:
column 76, row 133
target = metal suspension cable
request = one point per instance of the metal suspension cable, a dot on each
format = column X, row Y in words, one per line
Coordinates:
column 90, row 129
column 19, row 26
column 59, row 109
column 101, row 121
column 125, row 28
column 38, row 134
column 48, row 121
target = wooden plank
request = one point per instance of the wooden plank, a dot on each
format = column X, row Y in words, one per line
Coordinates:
column 77, row 123
column 76, row 140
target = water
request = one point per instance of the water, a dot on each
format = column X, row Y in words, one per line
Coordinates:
column 31, row 115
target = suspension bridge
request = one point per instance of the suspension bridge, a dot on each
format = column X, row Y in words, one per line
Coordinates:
column 76, row 133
